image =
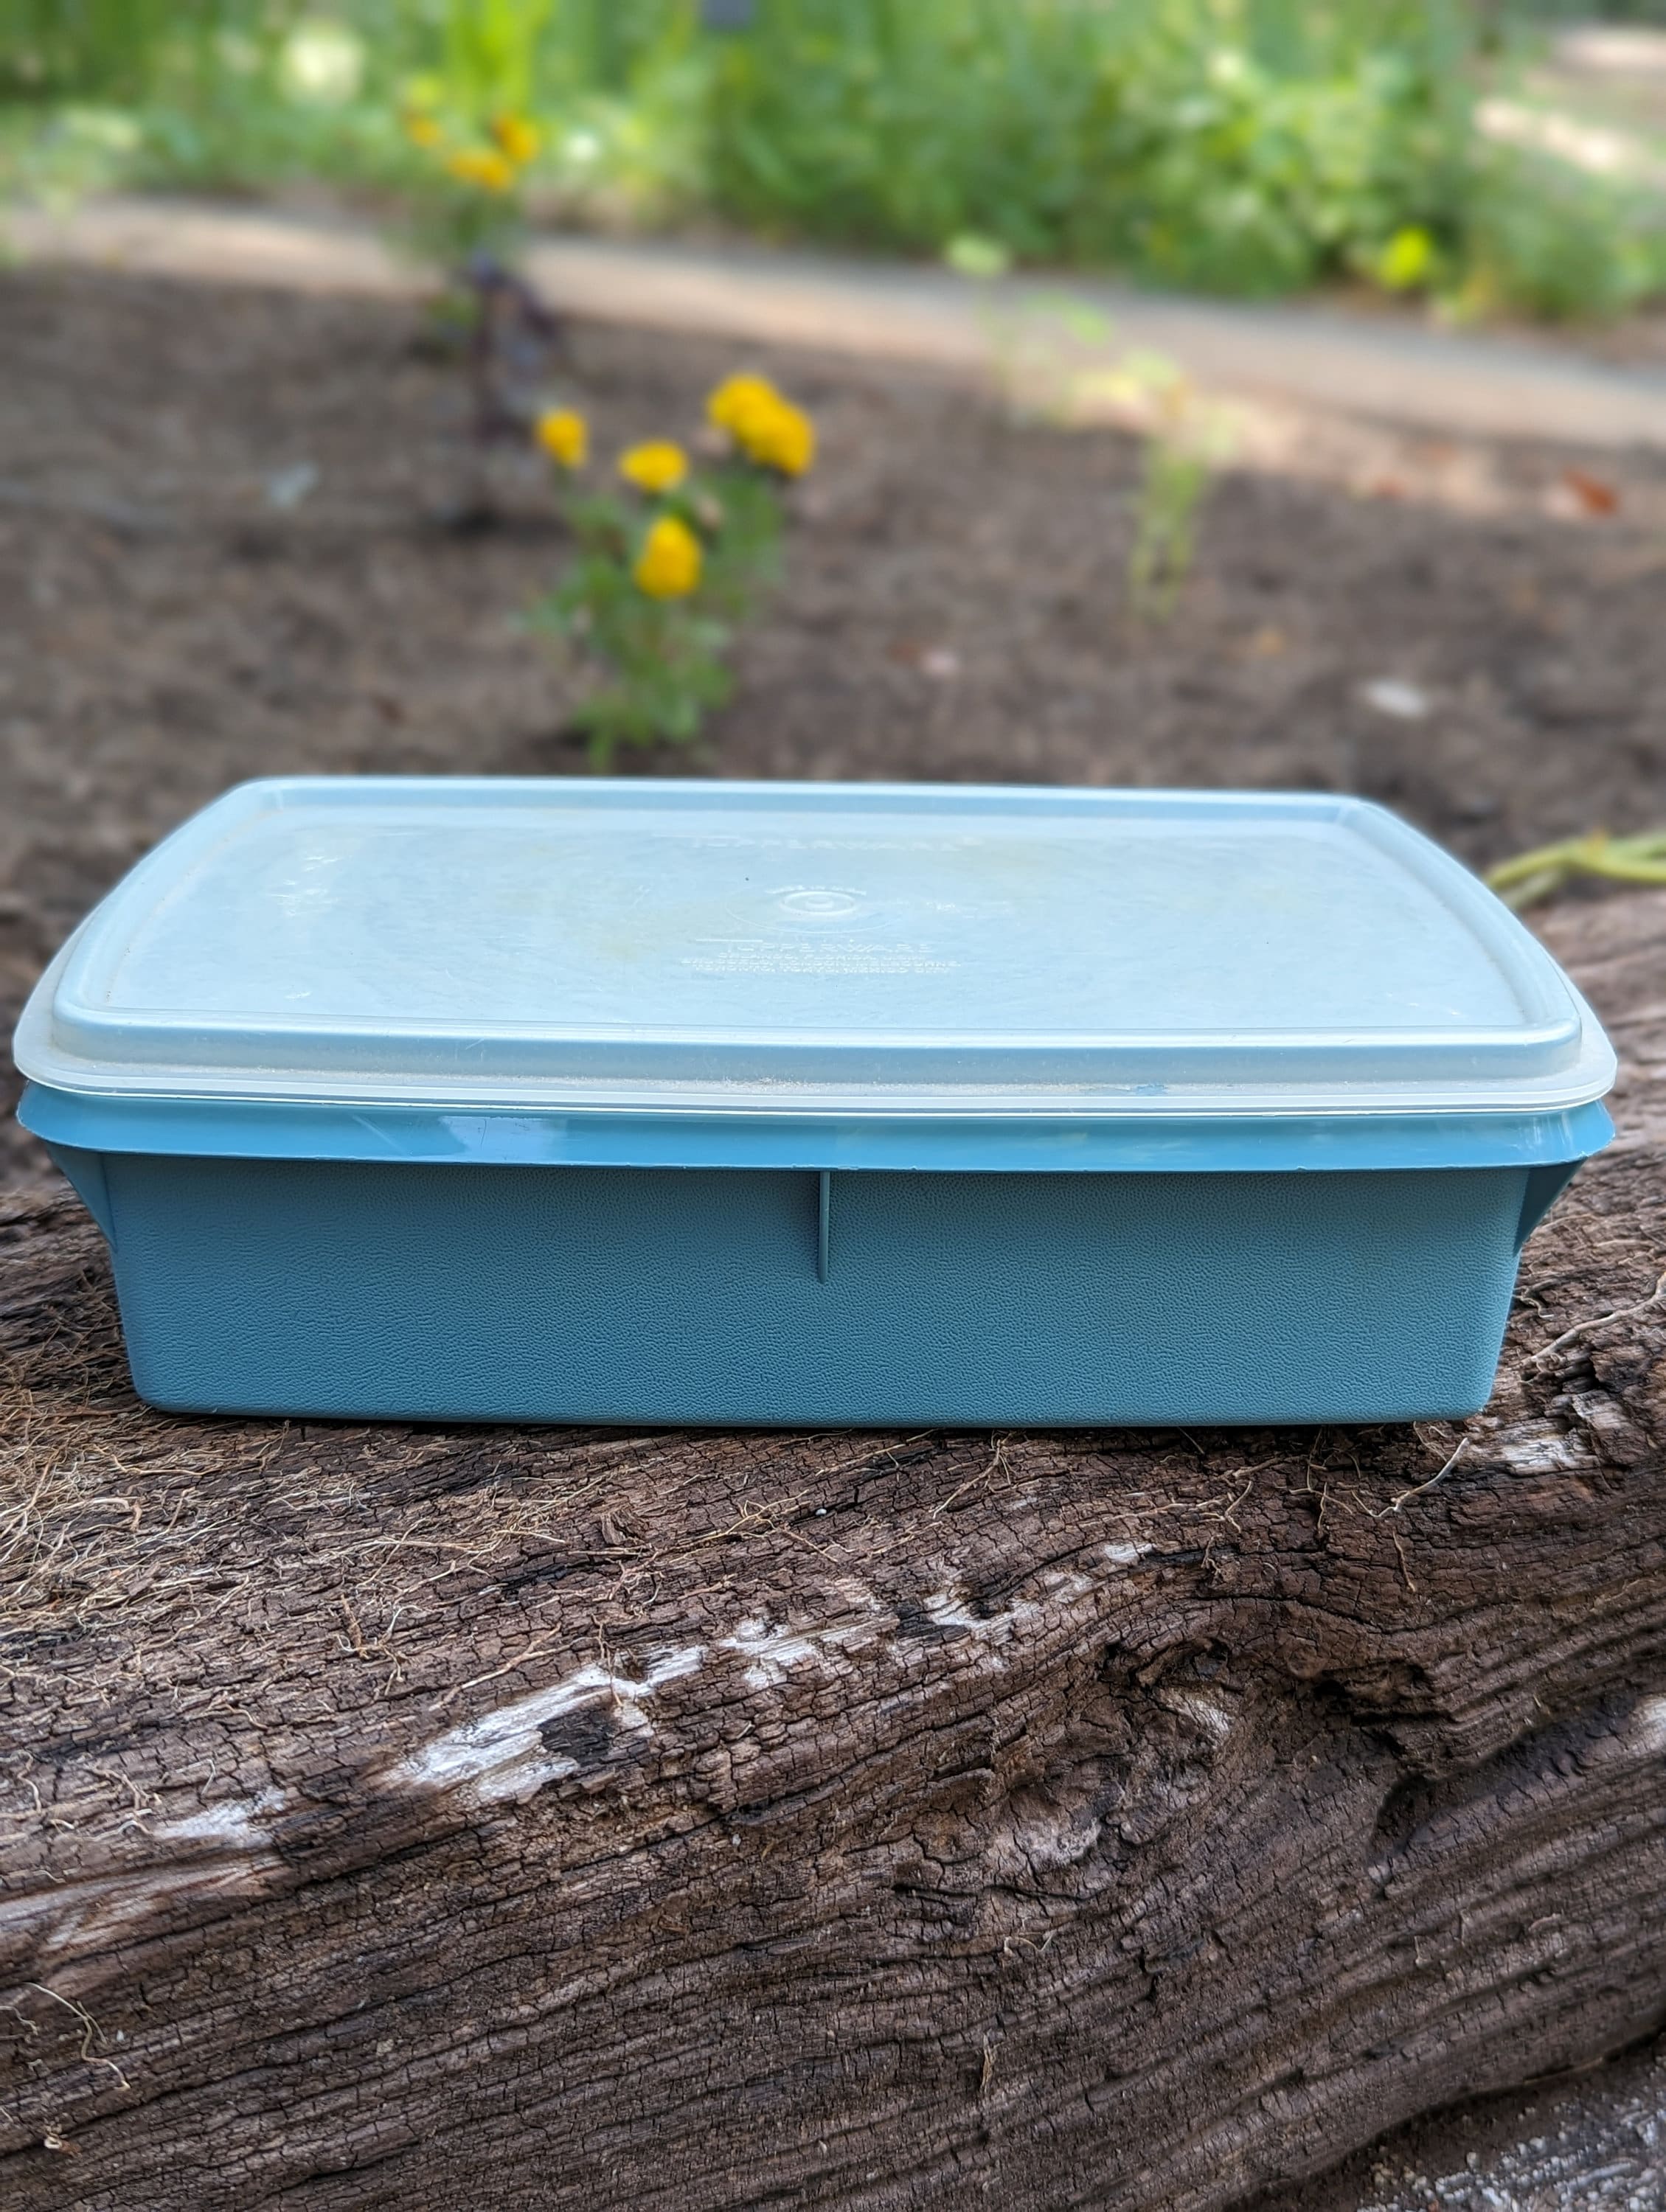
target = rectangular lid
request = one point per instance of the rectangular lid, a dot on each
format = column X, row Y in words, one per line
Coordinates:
column 758, row 948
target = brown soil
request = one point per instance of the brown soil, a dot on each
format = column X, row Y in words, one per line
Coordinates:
column 953, row 607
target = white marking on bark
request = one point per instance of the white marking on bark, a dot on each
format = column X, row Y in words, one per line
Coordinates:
column 240, row 1825
column 948, row 1609
column 1202, row 1708
column 95, row 1915
column 91, row 1917
column 1127, row 1555
column 1067, row 1586
column 501, row 1755
column 770, row 1651
column 1649, row 1725
column 1541, row 1448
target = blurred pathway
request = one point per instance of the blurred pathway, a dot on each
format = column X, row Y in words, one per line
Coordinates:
column 1306, row 356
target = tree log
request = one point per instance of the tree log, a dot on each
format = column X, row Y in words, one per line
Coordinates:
column 525, row 1817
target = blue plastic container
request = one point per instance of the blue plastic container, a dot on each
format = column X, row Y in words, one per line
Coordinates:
column 809, row 1105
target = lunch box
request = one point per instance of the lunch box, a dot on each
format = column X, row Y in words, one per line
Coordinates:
column 641, row 1101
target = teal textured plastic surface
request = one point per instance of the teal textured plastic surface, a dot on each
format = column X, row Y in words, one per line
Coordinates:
column 666, row 1295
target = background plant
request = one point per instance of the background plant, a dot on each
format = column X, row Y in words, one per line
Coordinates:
column 663, row 656
column 477, row 146
column 663, row 570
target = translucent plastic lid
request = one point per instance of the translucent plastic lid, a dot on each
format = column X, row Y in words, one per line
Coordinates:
column 866, row 949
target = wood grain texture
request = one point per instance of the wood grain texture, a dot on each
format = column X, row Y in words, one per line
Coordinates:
column 526, row 1818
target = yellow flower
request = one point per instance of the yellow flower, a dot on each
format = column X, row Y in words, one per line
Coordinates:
column 668, row 566
column 517, row 139
column 655, row 467
column 483, row 166
column 564, row 435
column 737, row 400
column 781, row 437
column 423, row 130
column 768, row 429
column 1407, row 260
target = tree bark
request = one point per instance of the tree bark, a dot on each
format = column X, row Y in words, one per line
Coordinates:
column 400, row 1818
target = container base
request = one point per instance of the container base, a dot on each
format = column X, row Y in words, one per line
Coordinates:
column 778, row 1298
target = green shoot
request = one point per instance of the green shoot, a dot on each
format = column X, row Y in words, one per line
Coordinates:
column 1531, row 877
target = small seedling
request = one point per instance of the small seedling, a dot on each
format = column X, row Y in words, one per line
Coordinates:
column 1043, row 354
column 1172, row 483
column 1185, row 441
column 1533, row 877
column 665, row 568
column 1036, row 343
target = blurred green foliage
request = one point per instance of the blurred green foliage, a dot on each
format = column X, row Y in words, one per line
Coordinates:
column 94, row 49
column 1252, row 146
column 1248, row 145
column 1538, row 237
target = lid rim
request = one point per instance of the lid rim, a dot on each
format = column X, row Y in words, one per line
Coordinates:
column 922, row 1143
column 865, row 1102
